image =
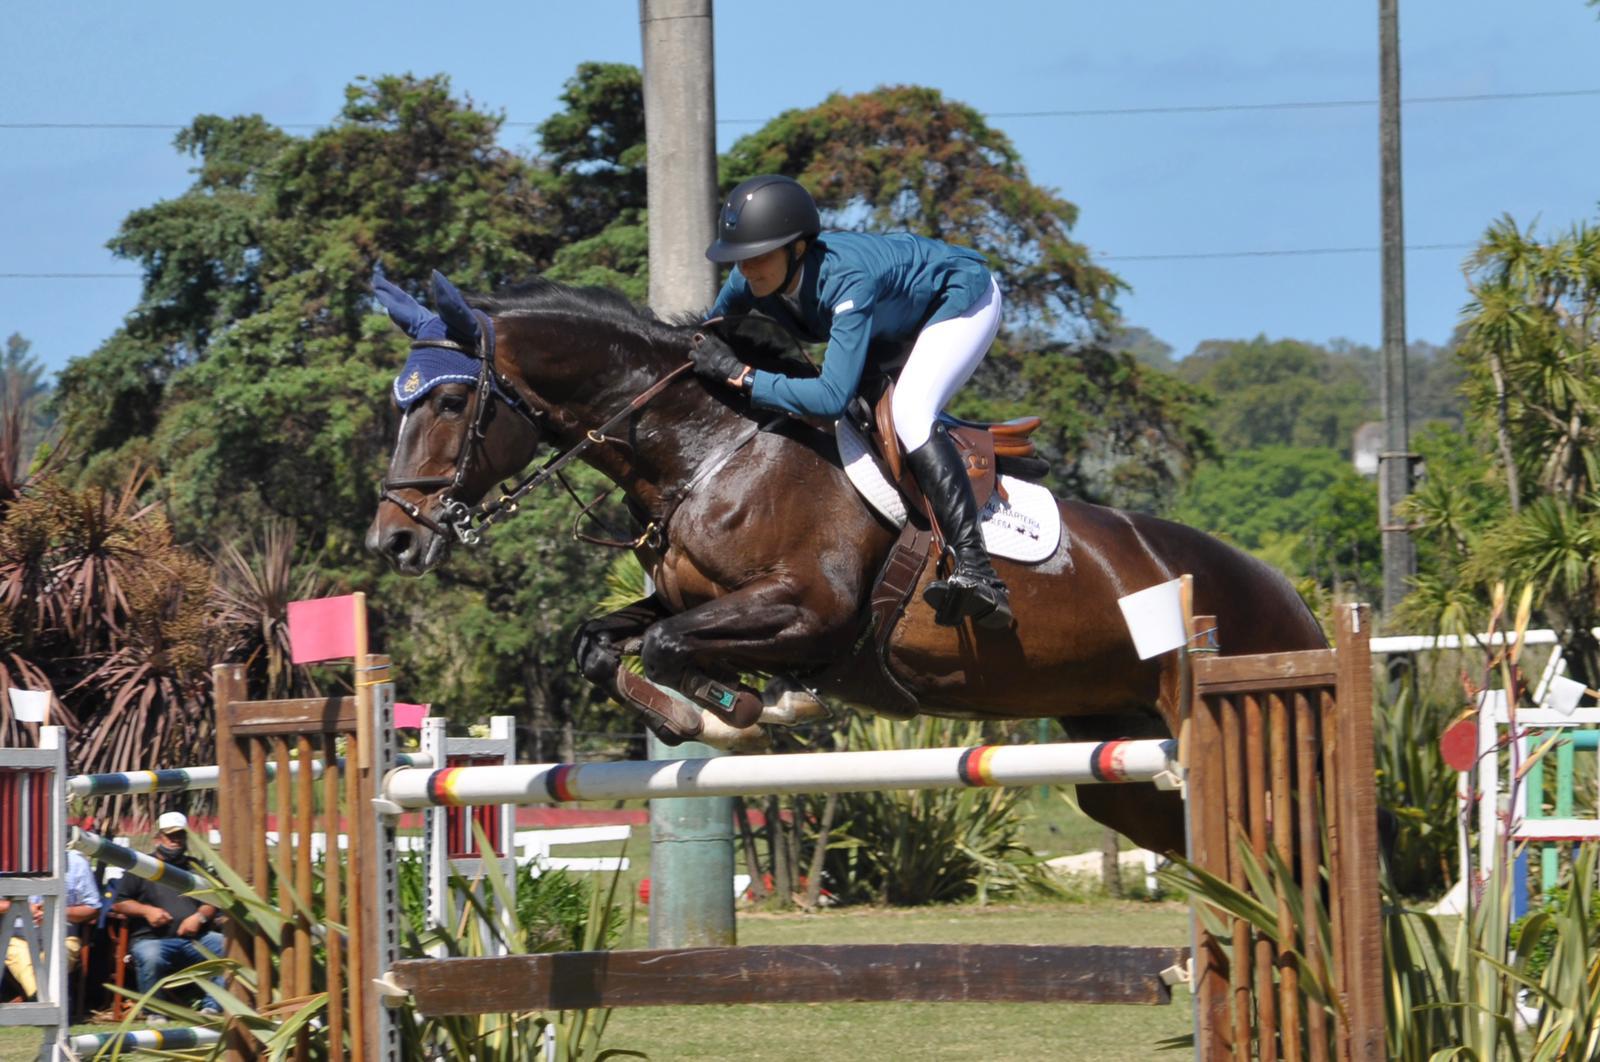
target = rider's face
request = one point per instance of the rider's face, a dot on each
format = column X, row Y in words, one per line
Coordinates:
column 764, row 273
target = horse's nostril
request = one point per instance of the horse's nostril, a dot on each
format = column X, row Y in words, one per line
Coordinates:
column 398, row 543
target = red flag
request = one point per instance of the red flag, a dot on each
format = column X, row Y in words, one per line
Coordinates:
column 409, row 716
column 322, row 629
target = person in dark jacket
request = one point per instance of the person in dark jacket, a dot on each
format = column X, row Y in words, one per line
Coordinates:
column 849, row 288
column 164, row 925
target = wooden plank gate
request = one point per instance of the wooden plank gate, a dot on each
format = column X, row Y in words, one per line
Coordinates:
column 1281, row 760
column 359, row 891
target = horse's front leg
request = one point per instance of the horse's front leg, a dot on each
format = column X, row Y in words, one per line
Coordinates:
column 764, row 625
column 601, row 643
column 598, row 648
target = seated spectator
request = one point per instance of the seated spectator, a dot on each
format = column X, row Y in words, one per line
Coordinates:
column 83, row 905
column 164, row 925
column 18, row 963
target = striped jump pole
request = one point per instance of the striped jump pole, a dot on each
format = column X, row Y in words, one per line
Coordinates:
column 88, row 1044
column 1147, row 760
column 189, row 779
column 95, row 847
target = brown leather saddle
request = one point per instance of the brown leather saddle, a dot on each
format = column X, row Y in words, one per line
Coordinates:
column 981, row 446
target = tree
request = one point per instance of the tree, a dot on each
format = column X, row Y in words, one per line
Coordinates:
column 24, row 422
column 1306, row 511
column 1280, row 393
column 905, row 158
column 1531, row 348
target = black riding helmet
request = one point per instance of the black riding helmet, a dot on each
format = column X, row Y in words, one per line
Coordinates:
column 763, row 214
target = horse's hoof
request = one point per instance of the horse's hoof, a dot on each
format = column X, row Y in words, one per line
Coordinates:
column 786, row 703
column 720, row 735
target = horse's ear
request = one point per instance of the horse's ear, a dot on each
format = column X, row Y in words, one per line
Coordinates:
column 405, row 311
column 459, row 319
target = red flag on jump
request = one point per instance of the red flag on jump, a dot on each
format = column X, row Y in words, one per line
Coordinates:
column 409, row 716
column 323, row 628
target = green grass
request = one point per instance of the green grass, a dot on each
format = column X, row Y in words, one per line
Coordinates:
column 892, row 1031
column 809, row 1032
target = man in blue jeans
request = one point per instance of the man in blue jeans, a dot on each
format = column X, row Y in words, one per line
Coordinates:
column 164, row 925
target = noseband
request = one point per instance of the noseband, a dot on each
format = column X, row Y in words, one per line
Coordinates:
column 466, row 522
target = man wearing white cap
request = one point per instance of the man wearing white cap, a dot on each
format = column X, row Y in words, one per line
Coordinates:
column 164, row 925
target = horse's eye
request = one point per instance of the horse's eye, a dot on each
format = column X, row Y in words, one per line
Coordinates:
column 452, row 404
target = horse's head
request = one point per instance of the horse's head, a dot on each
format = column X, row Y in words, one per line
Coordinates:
column 455, row 441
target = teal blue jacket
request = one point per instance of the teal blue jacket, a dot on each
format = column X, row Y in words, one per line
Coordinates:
column 855, row 288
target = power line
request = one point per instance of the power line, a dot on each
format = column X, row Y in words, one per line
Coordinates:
column 1295, row 252
column 1290, row 105
column 1089, row 112
column 1290, row 252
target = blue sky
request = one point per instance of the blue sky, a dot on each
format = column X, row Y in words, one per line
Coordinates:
column 1146, row 184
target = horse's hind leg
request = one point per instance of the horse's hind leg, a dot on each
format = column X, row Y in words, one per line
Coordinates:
column 1149, row 817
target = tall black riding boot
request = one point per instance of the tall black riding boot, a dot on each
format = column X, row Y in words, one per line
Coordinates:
column 972, row 589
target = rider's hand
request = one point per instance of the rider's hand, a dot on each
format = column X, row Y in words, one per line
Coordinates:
column 714, row 360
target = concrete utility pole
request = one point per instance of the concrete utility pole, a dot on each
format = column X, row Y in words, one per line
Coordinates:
column 691, row 840
column 1394, row 463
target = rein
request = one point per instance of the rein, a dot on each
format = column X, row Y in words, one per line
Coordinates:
column 507, row 504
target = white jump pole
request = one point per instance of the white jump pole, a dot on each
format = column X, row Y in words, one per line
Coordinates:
column 1080, row 763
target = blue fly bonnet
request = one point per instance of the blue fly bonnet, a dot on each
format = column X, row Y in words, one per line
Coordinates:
column 440, row 340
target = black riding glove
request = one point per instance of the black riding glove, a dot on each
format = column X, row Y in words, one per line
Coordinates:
column 715, row 360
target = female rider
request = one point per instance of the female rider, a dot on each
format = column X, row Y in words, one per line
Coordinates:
column 849, row 288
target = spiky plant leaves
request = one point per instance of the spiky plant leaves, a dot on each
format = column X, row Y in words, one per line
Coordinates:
column 251, row 599
column 929, row 846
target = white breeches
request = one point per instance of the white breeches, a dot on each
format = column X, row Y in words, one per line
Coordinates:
column 944, row 355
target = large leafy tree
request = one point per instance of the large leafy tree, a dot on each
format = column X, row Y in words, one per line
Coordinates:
column 254, row 373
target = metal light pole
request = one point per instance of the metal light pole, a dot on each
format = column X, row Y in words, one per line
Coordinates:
column 1394, row 463
column 691, row 840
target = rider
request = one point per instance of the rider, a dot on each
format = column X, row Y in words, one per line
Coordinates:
column 849, row 288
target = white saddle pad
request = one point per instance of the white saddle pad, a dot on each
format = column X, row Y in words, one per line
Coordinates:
column 1026, row 528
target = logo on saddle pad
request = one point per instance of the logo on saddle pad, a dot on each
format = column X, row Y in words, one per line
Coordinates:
column 1025, row 528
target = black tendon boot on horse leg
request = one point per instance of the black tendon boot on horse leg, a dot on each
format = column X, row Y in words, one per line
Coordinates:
column 972, row 588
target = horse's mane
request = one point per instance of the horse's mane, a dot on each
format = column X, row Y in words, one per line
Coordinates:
column 760, row 341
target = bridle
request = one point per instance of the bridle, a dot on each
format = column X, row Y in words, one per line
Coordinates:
column 454, row 515
column 468, row 523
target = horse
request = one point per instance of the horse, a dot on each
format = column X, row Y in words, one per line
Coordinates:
column 763, row 555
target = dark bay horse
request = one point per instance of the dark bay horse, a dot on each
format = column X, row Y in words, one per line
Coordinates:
column 763, row 554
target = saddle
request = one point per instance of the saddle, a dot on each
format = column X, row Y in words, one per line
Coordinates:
column 983, row 447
